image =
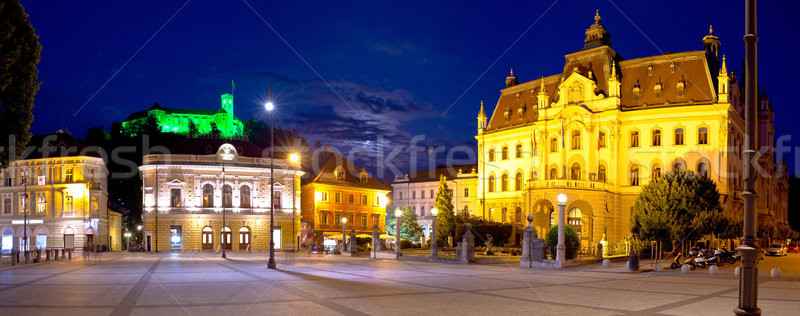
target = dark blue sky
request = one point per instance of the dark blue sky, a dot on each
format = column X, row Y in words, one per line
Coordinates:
column 395, row 66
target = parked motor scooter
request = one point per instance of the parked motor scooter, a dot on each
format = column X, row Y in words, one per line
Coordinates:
column 713, row 258
column 677, row 262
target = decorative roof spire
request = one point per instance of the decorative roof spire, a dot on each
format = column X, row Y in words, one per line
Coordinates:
column 482, row 113
column 724, row 68
column 711, row 43
column 542, row 89
column 596, row 35
column 597, row 16
column 614, row 69
column 511, row 80
column 710, row 29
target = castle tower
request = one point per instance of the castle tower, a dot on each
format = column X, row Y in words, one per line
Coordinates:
column 511, row 80
column 711, row 43
column 227, row 103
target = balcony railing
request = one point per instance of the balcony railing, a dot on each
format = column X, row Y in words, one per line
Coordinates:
column 218, row 210
column 573, row 184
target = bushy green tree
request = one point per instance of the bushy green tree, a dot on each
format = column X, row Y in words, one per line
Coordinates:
column 446, row 220
column 19, row 54
column 676, row 206
column 571, row 242
column 409, row 229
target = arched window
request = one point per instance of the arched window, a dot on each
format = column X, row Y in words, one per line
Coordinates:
column 657, row 137
column 634, row 176
column 576, row 140
column 504, row 182
column 678, row 166
column 518, row 215
column 553, row 145
column 422, row 211
column 553, row 173
column 678, row 136
column 702, row 169
column 656, row 171
column 244, row 196
column 518, row 181
column 208, row 196
column 227, row 196
column 601, row 173
column 491, row 183
column 574, row 220
column 575, row 171
column 505, row 153
column 702, row 136
column 635, row 139
column 491, row 154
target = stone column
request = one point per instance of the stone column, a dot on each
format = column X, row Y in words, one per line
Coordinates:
column 467, row 248
column 375, row 239
column 353, row 245
column 27, row 256
column 560, row 248
column 528, row 236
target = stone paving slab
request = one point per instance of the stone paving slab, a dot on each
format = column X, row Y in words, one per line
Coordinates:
column 205, row 284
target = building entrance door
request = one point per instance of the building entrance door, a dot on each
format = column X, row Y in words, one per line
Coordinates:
column 244, row 238
column 208, row 238
column 148, row 243
column 226, row 238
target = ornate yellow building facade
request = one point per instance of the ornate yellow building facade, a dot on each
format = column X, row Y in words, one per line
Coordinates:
column 605, row 126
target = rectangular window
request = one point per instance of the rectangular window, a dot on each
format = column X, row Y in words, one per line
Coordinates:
column 702, row 136
column 491, row 155
column 325, row 197
column 175, row 198
column 413, row 194
column 6, row 206
column 679, row 136
column 363, row 199
column 41, row 203
column 324, row 218
column 68, row 176
column 553, row 145
column 338, row 219
column 376, row 219
column 505, row 153
column 401, row 195
column 276, row 200
column 656, row 138
column 466, row 192
column 351, row 198
column 337, row 197
column 432, row 194
column 601, row 140
column 364, row 220
column 634, row 139
column 519, row 151
column 422, row 194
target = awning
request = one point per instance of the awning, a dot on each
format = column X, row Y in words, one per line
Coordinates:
column 364, row 236
column 385, row 236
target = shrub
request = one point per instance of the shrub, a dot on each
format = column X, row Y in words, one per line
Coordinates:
column 571, row 242
column 500, row 232
column 405, row 243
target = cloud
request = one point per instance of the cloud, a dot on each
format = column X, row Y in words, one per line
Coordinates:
column 393, row 49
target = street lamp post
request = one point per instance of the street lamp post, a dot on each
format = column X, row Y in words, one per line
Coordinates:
column 397, row 215
column 434, row 250
column 270, row 107
column 560, row 249
column 223, row 213
column 344, row 232
column 25, row 213
column 748, row 278
column 294, row 158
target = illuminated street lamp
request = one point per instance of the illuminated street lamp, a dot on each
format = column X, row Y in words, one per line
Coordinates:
column 397, row 215
column 269, row 106
column 560, row 249
column 344, row 231
column 139, row 227
column 434, row 251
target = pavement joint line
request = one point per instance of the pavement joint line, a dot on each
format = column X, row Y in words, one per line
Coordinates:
column 128, row 302
column 695, row 299
column 31, row 282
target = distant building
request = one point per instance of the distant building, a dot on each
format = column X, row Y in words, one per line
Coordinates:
column 189, row 122
column 418, row 190
column 339, row 190
column 187, row 192
column 67, row 198
column 606, row 126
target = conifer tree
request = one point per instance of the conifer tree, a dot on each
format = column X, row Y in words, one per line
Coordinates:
column 446, row 220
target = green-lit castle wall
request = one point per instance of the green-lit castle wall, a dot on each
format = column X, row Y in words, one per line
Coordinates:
column 180, row 121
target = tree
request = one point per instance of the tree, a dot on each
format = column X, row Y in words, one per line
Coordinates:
column 409, row 229
column 676, row 206
column 446, row 219
column 19, row 54
column 193, row 131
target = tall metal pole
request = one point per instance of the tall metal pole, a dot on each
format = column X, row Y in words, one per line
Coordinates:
column 25, row 213
column 434, row 250
column 560, row 248
column 271, row 264
column 295, row 246
column 748, row 278
column 223, row 212
column 156, row 191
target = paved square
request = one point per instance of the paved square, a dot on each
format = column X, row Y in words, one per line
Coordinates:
column 204, row 284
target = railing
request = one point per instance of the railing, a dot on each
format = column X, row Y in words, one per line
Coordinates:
column 562, row 183
column 218, row 210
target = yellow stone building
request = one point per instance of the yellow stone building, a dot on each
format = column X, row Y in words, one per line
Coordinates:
column 66, row 186
column 339, row 190
column 210, row 193
column 605, row 126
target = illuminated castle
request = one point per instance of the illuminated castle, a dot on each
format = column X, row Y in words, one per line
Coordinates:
column 187, row 121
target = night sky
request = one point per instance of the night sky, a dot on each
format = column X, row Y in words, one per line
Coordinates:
column 395, row 67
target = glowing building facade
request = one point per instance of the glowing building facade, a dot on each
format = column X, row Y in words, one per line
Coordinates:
column 187, row 192
column 605, row 126
column 187, row 121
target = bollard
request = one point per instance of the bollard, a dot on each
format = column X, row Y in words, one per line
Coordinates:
column 47, row 254
column 14, row 257
column 27, row 256
column 737, row 271
column 712, row 270
column 657, row 267
column 606, row 262
column 775, row 273
column 684, row 269
column 69, row 253
column 38, row 255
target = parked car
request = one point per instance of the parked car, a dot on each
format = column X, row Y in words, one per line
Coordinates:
column 793, row 247
column 776, row 250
